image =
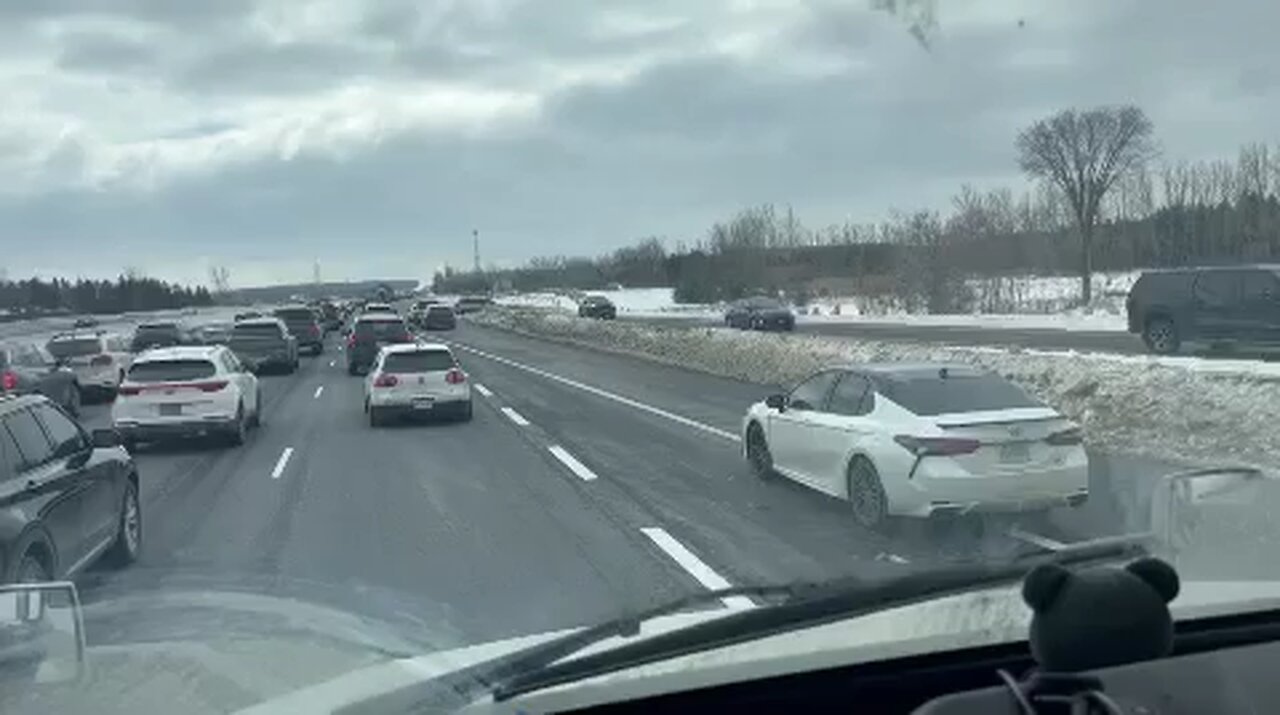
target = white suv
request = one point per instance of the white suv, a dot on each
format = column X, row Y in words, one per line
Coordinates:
column 416, row 378
column 98, row 360
column 187, row 392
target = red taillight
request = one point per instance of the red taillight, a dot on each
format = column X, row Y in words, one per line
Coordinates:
column 937, row 446
column 386, row 381
column 9, row 380
column 455, row 377
column 128, row 390
column 211, row 386
column 315, row 330
column 100, row 360
column 351, row 341
column 1066, row 438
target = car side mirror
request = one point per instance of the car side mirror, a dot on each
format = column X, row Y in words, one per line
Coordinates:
column 776, row 402
column 106, row 438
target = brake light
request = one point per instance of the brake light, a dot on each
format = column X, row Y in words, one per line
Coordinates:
column 351, row 341
column 211, row 386
column 386, row 381
column 455, row 377
column 100, row 360
column 937, row 446
column 315, row 330
column 1066, row 438
column 10, row 381
column 128, row 390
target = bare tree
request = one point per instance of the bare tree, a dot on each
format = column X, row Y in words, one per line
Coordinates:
column 220, row 277
column 1083, row 153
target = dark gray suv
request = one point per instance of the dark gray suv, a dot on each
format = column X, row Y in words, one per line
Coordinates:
column 1221, row 305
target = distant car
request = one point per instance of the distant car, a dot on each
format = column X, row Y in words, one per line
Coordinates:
column 303, row 326
column 370, row 333
column 418, row 311
column 416, row 379
column 156, row 335
column 70, row 497
column 187, row 392
column 32, row 370
column 330, row 316
column 86, row 322
column 1229, row 305
column 213, row 333
column 597, row 306
column 759, row 314
column 98, row 360
column 378, row 308
column 471, row 304
column 264, row 343
column 439, row 317
column 249, row 315
column 918, row 440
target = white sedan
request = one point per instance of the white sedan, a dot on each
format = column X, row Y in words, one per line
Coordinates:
column 918, row 440
column 416, row 379
column 187, row 392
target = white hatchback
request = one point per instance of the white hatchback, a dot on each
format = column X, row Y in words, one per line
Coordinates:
column 416, row 379
column 99, row 360
column 187, row 392
column 919, row 440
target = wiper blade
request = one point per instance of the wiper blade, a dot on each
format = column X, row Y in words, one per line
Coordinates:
column 821, row 604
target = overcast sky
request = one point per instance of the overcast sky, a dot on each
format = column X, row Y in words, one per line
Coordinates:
column 374, row 136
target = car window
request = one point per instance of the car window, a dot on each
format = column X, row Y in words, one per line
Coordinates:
column 380, row 329
column 30, row 438
column 419, row 361
column 74, row 347
column 10, row 457
column 1218, row 287
column 256, row 330
column 171, row 370
column 295, row 314
column 1260, row 285
column 851, row 396
column 812, row 393
column 936, row 395
column 116, row 344
column 66, row 437
column 28, row 356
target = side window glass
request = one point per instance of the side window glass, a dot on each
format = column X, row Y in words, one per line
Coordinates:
column 66, row 437
column 1261, row 285
column 1218, row 288
column 10, row 457
column 850, row 397
column 32, row 443
column 812, row 393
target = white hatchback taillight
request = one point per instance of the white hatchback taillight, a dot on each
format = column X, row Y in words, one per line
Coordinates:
column 455, row 377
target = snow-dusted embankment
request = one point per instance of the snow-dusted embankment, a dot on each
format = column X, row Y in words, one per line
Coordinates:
column 1172, row 411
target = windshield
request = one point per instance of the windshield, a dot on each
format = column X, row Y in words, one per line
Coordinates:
column 171, row 370
column 695, row 265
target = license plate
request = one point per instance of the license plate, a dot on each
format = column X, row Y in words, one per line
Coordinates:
column 423, row 403
column 1019, row 452
column 170, row 410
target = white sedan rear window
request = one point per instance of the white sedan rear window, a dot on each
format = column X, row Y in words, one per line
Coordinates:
column 171, row 370
column 928, row 396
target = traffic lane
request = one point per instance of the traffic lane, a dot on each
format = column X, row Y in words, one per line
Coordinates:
column 467, row 525
column 1120, row 484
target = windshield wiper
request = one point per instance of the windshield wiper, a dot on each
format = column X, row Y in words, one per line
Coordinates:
column 805, row 605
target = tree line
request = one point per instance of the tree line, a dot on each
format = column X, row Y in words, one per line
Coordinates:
column 126, row 293
column 1099, row 199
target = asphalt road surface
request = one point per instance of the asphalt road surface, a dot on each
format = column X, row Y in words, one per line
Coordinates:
column 586, row 485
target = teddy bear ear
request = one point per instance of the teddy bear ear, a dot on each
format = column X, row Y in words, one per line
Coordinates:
column 1158, row 574
column 1043, row 584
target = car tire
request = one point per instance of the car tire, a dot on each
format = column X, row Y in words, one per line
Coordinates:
column 351, row 369
column 464, row 412
column 867, row 500
column 239, row 431
column 74, row 399
column 128, row 543
column 758, row 455
column 375, row 417
column 256, row 421
column 1161, row 336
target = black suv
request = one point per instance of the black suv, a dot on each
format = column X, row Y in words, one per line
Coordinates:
column 597, row 306
column 369, row 334
column 1235, row 304
column 66, row 497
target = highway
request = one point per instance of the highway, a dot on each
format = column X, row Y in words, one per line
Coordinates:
column 586, row 485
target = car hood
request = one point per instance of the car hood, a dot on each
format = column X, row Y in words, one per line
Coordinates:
column 954, row 622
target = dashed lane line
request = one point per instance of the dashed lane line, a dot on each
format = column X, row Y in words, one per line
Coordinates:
column 319, row 392
column 724, row 434
column 486, row 392
column 583, row 471
column 515, row 417
column 282, row 462
column 695, row 566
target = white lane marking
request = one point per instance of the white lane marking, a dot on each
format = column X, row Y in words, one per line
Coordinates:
column 607, row 395
column 280, row 463
column 572, row 463
column 483, row 390
column 699, row 570
column 891, row 558
column 319, row 391
column 332, row 363
column 515, row 416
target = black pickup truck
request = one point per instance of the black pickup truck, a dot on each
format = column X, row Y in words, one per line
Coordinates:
column 263, row 343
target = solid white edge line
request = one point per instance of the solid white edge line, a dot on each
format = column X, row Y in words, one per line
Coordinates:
column 568, row 460
column 695, row 566
column 319, row 391
column 280, row 463
column 483, row 390
column 515, row 416
column 724, row 434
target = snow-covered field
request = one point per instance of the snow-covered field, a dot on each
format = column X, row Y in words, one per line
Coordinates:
column 1207, row 411
column 1031, row 302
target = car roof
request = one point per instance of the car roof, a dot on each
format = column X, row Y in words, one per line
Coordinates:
column 380, row 318
column 915, row 370
column 184, row 352
column 415, row 348
column 74, row 335
column 261, row 320
column 9, row 403
column 162, row 324
column 439, row 306
column 1274, row 267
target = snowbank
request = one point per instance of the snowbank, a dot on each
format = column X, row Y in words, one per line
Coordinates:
column 1198, row 411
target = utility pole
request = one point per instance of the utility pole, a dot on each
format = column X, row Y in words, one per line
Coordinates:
column 315, row 278
column 475, row 242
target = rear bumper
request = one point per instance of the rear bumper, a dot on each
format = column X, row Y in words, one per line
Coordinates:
column 257, row 362
column 404, row 409
column 176, row 429
column 1033, row 489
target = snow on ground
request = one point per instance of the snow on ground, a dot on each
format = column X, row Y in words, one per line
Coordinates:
column 1214, row 411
